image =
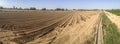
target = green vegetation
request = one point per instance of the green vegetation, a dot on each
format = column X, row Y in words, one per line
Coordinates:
column 117, row 11
column 111, row 34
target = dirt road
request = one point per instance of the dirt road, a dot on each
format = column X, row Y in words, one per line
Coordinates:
column 60, row 27
column 114, row 18
column 99, row 32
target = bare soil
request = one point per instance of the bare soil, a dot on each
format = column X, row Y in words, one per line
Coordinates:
column 48, row 27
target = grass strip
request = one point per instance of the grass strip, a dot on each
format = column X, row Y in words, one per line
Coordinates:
column 117, row 12
column 111, row 33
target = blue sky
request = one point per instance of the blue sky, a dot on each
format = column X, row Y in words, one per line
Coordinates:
column 70, row 4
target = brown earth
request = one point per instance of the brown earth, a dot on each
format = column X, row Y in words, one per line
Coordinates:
column 48, row 27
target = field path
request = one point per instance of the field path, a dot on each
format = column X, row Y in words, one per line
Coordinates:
column 114, row 18
column 99, row 32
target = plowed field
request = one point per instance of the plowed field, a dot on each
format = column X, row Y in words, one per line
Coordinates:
column 48, row 27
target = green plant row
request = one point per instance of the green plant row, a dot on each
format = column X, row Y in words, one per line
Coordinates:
column 111, row 33
column 117, row 12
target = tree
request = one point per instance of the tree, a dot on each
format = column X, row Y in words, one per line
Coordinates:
column 74, row 9
column 20, row 8
column 32, row 8
column 66, row 9
column 1, row 7
column 43, row 9
column 59, row 9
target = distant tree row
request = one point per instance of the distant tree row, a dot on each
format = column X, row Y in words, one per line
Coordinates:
column 31, row 8
column 61, row 9
column 57, row 9
column 1, row 7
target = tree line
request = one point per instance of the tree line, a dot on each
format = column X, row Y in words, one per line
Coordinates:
column 19, row 8
column 31, row 8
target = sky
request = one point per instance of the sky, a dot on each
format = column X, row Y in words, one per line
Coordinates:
column 70, row 4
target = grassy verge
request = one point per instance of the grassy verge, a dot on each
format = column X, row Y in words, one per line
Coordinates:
column 117, row 12
column 111, row 34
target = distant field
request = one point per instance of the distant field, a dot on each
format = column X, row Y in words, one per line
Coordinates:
column 117, row 12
